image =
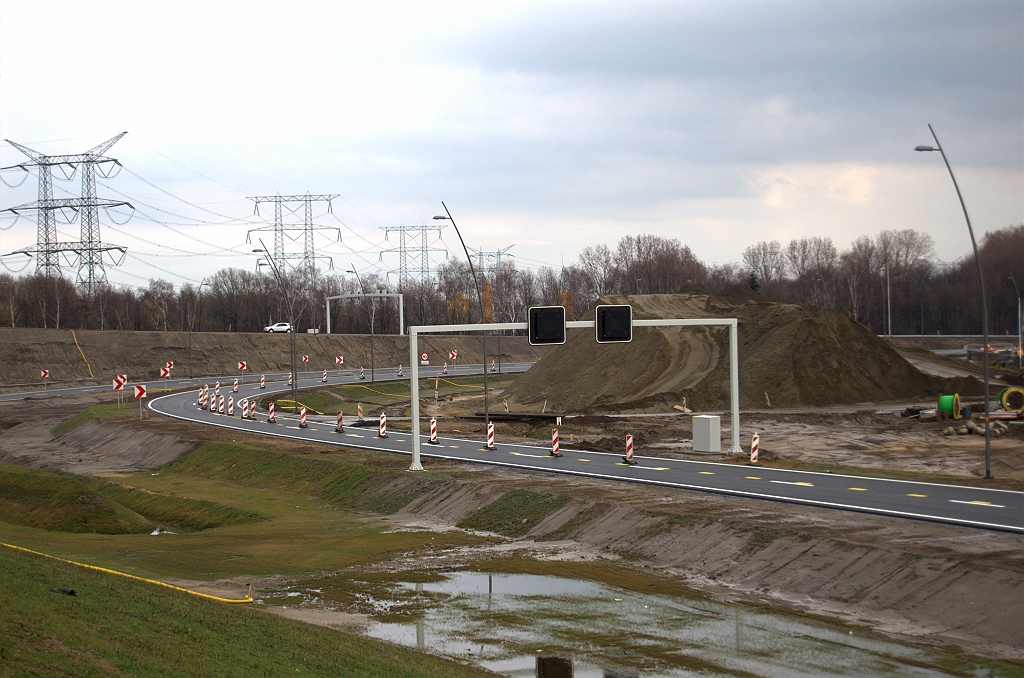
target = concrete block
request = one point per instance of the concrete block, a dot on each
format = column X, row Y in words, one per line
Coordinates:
column 707, row 433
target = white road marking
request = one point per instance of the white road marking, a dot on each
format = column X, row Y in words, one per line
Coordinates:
column 786, row 482
column 977, row 502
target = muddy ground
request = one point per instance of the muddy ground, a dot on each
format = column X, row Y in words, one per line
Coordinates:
column 929, row 582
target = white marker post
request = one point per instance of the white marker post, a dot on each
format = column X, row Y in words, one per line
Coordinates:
column 140, row 393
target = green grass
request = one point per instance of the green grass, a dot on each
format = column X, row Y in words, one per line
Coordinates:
column 64, row 502
column 515, row 513
column 115, row 626
column 102, row 411
column 60, row 501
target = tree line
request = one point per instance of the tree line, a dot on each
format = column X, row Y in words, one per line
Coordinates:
column 891, row 279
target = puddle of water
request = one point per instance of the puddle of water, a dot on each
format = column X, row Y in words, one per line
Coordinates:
column 506, row 622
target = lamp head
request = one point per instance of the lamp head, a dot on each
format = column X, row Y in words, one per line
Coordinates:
column 925, row 148
column 441, row 217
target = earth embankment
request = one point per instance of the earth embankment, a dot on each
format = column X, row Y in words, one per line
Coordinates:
column 140, row 355
column 789, row 356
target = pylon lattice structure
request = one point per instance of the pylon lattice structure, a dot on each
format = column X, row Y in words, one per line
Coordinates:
column 413, row 251
column 304, row 262
column 489, row 262
column 88, row 251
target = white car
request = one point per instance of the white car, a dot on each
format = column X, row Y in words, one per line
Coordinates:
column 278, row 327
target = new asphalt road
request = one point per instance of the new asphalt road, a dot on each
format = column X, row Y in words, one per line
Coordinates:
column 975, row 507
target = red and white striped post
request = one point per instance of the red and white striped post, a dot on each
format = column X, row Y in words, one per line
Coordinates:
column 490, row 435
column 234, row 388
column 383, row 426
column 263, row 381
column 493, row 367
column 629, row 452
column 325, row 377
column 231, row 406
column 359, row 410
column 433, row 431
column 341, row 426
column 216, row 389
column 504, row 402
column 302, row 418
column 444, row 370
column 554, row 443
column 245, row 409
column 361, row 375
column 289, row 378
column 755, row 443
column 400, row 371
column 220, row 405
column 270, row 413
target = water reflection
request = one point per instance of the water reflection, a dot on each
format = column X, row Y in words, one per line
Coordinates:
column 526, row 625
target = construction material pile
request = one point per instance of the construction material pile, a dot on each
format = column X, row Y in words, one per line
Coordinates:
column 789, row 355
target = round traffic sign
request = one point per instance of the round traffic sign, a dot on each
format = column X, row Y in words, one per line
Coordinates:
column 424, row 357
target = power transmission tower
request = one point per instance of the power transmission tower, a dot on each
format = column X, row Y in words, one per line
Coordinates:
column 305, row 262
column 413, row 251
column 89, row 249
column 490, row 262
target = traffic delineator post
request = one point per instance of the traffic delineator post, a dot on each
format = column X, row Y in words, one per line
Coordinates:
column 302, row 418
column 263, row 381
column 325, row 377
column 234, row 387
column 629, row 451
column 359, row 411
column 231, row 406
column 490, row 435
column 504, row 403
column 216, row 389
column 245, row 409
column 755, row 443
column 220, row 405
column 554, row 444
column 289, row 378
column 341, row 425
column 444, row 369
column 361, row 375
column 383, row 426
column 493, row 366
column 433, row 431
column 270, row 413
column 400, row 371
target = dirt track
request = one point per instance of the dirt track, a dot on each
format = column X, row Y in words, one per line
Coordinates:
column 789, row 356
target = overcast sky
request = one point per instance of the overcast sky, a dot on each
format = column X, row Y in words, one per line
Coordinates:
column 550, row 126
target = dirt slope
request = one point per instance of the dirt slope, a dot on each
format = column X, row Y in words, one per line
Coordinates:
column 798, row 355
column 140, row 355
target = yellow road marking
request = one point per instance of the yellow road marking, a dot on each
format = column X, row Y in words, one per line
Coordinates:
column 582, row 460
column 707, row 473
column 917, row 495
column 858, row 489
column 400, row 440
column 805, row 484
column 752, row 478
column 622, row 463
column 353, row 435
column 454, row 447
column 662, row 468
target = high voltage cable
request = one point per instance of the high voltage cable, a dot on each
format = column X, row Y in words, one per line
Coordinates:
column 187, row 168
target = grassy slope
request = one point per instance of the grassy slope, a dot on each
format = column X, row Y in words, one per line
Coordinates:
column 115, row 626
column 52, row 500
column 514, row 513
column 102, row 411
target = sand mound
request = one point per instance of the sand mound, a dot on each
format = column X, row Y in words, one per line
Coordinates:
column 800, row 355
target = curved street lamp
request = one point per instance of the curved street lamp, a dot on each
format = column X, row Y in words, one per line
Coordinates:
column 984, row 301
column 480, row 300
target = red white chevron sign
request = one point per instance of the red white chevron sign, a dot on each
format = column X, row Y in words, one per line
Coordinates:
column 241, row 364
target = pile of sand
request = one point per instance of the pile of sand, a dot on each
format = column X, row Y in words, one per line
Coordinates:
column 799, row 355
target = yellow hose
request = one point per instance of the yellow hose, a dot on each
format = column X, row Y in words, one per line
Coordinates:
column 247, row 599
column 83, row 354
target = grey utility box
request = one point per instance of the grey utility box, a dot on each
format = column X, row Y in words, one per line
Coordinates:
column 707, row 433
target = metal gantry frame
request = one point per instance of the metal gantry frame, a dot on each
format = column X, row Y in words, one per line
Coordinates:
column 734, row 368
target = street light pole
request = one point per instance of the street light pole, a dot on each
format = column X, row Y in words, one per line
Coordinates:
column 1020, row 346
column 191, row 319
column 984, row 301
column 291, row 321
column 480, row 300
column 373, row 305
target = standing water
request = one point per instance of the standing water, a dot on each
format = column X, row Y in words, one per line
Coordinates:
column 529, row 625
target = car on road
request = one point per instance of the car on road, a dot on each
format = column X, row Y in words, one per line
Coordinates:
column 278, row 327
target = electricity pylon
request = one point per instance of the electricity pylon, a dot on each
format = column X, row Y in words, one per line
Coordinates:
column 89, row 249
